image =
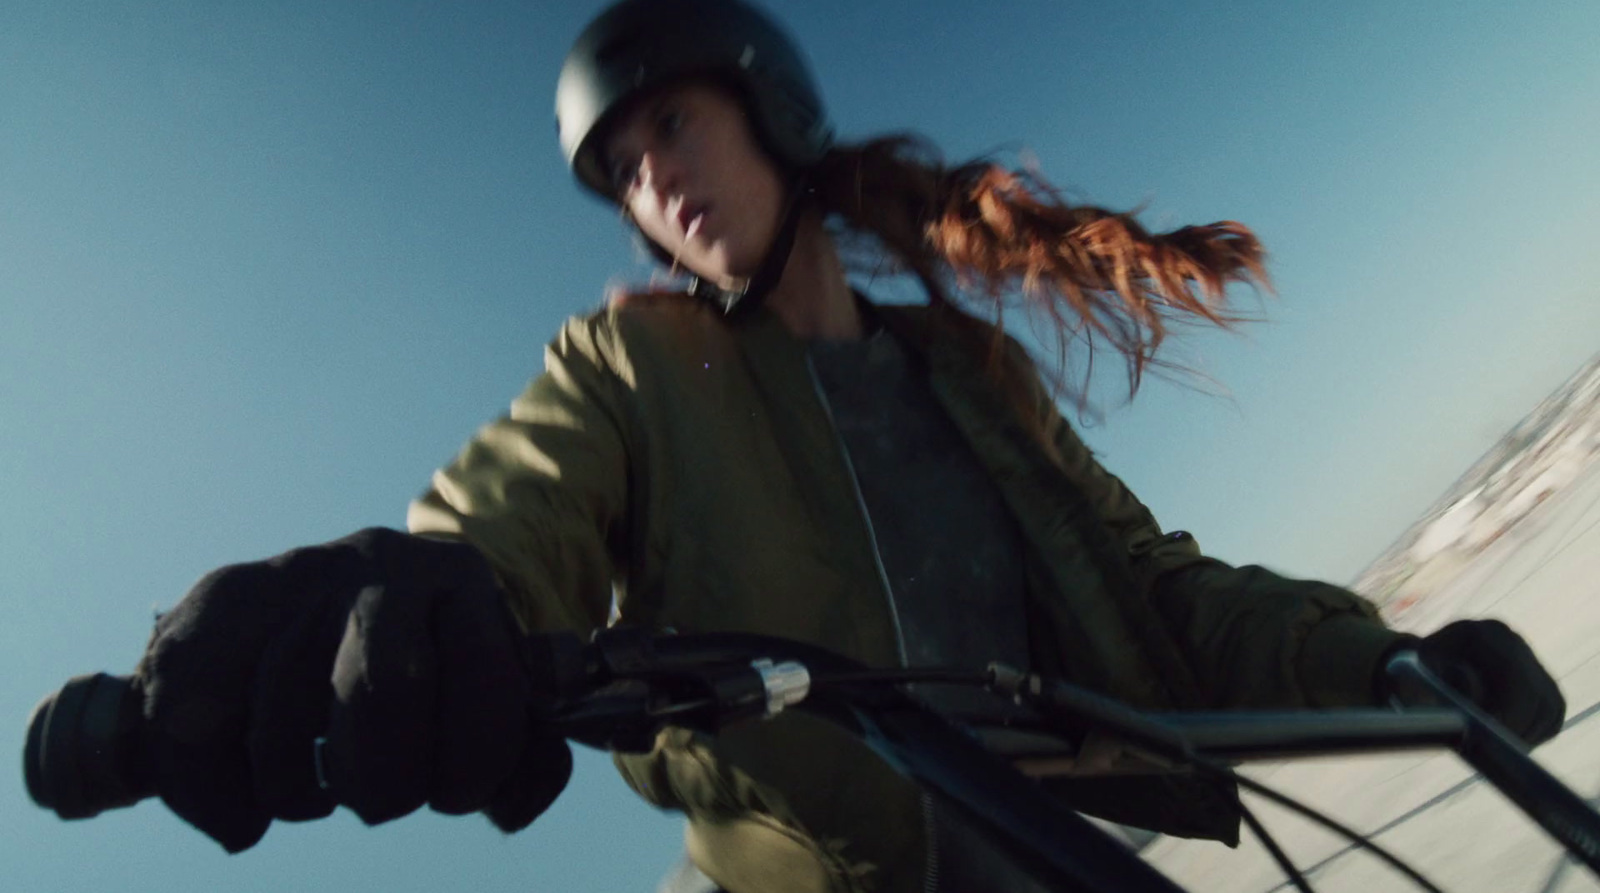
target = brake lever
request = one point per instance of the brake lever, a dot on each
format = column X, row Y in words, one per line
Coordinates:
column 617, row 691
column 1413, row 683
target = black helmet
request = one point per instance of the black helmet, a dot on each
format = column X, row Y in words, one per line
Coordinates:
column 638, row 45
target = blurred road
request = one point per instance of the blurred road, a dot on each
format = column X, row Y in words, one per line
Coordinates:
column 1543, row 578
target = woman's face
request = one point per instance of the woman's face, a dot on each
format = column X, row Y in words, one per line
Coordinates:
column 689, row 172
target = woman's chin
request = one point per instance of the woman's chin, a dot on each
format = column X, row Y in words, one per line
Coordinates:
column 722, row 275
column 712, row 273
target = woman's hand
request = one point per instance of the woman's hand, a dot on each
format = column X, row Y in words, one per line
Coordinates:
column 1494, row 667
column 381, row 671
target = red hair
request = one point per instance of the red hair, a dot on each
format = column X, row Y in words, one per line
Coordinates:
column 995, row 237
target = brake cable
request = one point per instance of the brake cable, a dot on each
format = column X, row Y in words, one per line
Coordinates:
column 1359, row 840
column 1147, row 732
column 1271, row 846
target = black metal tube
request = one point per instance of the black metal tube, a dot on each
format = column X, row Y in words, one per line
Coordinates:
column 1243, row 736
column 1049, row 841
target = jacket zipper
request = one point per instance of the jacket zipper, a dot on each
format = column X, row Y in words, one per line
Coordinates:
column 861, row 503
column 930, row 834
column 930, row 870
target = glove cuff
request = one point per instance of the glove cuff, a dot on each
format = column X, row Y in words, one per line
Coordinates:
column 1341, row 662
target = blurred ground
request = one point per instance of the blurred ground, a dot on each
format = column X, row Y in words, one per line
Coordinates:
column 1542, row 576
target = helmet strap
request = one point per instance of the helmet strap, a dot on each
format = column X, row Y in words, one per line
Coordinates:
column 740, row 301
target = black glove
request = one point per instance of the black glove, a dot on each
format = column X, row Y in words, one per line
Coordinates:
column 397, row 650
column 1493, row 667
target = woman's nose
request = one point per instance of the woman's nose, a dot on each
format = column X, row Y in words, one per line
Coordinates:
column 658, row 172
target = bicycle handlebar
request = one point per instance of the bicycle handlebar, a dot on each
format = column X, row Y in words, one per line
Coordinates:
column 85, row 744
column 84, row 751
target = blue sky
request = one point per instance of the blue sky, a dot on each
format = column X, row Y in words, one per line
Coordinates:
column 264, row 266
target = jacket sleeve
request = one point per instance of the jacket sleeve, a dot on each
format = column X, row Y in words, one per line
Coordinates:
column 1253, row 638
column 543, row 491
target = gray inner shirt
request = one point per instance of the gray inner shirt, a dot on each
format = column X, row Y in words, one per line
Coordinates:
column 950, row 547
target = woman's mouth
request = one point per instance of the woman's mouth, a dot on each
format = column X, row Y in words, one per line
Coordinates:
column 690, row 217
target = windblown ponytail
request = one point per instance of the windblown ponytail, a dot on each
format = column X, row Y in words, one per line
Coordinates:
column 999, row 237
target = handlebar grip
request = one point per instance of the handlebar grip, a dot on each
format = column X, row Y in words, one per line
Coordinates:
column 84, row 753
column 86, row 749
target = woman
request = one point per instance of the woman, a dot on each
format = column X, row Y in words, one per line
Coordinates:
column 772, row 452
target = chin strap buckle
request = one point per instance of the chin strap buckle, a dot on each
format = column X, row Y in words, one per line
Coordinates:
column 723, row 299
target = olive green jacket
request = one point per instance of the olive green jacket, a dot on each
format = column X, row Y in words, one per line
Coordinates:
column 688, row 465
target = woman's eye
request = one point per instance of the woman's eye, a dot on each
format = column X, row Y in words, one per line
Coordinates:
column 623, row 173
column 669, row 123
